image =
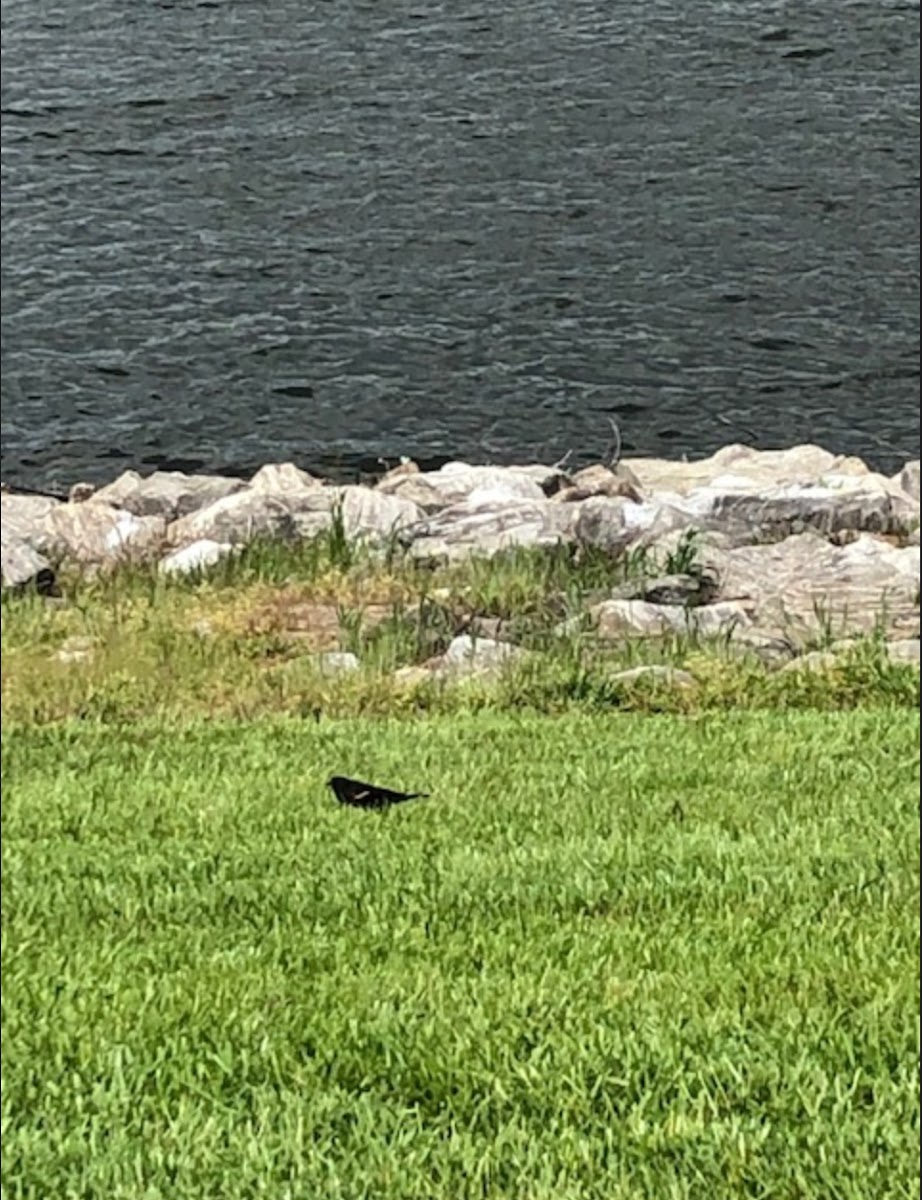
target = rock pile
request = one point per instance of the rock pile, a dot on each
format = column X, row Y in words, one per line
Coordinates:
column 786, row 537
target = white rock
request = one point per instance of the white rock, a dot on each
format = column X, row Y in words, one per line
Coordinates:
column 275, row 478
column 194, row 557
column 236, row 519
column 476, row 656
column 466, row 530
column 21, row 565
column 619, row 618
column 616, row 524
column 455, row 482
column 367, row 515
column 336, row 662
column 798, row 584
column 674, row 676
column 23, row 517
column 75, row 649
column 908, row 480
column 374, row 515
column 771, row 513
column 94, row 532
column 798, row 464
column 167, row 494
column 905, row 650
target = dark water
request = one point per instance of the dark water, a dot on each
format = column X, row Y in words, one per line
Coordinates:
column 239, row 231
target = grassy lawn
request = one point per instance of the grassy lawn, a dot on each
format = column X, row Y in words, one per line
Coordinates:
column 614, row 956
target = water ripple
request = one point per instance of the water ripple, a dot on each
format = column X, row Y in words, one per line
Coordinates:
column 236, row 232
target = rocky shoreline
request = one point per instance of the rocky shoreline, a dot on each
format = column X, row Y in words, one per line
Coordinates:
column 783, row 539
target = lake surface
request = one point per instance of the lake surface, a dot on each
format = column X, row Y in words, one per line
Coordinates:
column 236, row 232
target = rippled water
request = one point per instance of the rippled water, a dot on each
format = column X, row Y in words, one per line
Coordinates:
column 240, row 231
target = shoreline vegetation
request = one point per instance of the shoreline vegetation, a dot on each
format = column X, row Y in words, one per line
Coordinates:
column 655, row 931
column 325, row 629
column 779, row 578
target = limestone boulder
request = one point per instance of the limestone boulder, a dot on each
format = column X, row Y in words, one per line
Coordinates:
column 844, row 503
column 284, row 479
column 22, row 516
column 458, row 482
column 367, row 514
column 376, row 516
column 236, row 520
column 478, row 527
column 22, row 566
column 802, row 464
column 908, row 480
column 466, row 655
column 616, row 524
column 167, row 494
column 804, row 582
column 92, row 532
column 639, row 618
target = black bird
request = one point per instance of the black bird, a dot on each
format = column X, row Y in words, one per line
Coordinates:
column 365, row 795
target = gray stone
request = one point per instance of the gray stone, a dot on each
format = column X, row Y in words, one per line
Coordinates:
column 297, row 514
column 376, row 516
column 367, row 515
column 168, row 494
column 802, row 584
column 236, row 519
column 769, row 648
column 472, row 528
column 638, row 618
column 617, row 524
column 601, row 523
column 770, row 514
column 476, row 656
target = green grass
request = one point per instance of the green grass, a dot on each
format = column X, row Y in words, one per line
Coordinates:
column 614, row 956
